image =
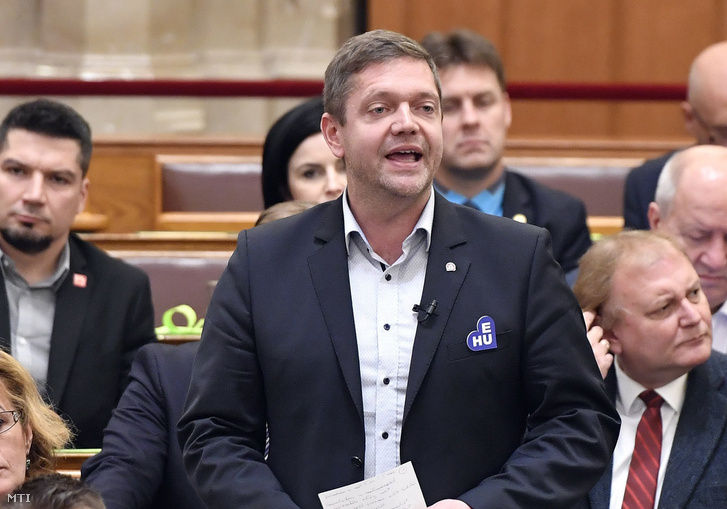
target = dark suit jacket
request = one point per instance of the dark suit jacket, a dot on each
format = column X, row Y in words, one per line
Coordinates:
column 639, row 191
column 96, row 332
column 140, row 465
column 279, row 345
column 563, row 215
column 696, row 474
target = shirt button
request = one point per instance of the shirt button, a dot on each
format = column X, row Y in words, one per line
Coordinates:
column 387, row 326
column 386, row 381
column 387, row 277
column 357, row 462
column 385, row 435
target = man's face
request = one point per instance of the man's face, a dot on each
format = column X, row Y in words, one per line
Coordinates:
column 41, row 190
column 477, row 116
column 708, row 124
column 698, row 218
column 392, row 140
column 662, row 326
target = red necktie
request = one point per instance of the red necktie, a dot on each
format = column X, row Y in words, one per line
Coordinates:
column 644, row 468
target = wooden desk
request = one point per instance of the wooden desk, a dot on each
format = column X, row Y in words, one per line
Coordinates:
column 69, row 461
column 163, row 241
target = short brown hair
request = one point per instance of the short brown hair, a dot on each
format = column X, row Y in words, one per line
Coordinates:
column 599, row 264
column 356, row 54
column 50, row 432
column 283, row 209
column 464, row 47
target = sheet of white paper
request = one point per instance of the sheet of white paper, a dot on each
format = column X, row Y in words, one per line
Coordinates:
column 396, row 489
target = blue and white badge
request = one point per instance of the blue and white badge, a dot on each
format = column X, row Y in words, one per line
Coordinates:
column 484, row 338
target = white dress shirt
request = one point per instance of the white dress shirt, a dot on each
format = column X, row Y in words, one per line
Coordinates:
column 719, row 329
column 382, row 298
column 630, row 407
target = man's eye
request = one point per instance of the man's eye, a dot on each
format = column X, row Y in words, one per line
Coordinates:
column 56, row 179
column 448, row 107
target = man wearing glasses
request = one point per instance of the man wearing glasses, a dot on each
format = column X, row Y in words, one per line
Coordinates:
column 705, row 118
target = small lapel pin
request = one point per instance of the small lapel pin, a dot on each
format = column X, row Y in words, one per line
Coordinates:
column 80, row 280
column 485, row 337
column 450, row 267
column 520, row 218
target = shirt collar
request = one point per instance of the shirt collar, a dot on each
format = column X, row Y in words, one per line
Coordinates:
column 629, row 389
column 7, row 265
column 722, row 310
column 350, row 225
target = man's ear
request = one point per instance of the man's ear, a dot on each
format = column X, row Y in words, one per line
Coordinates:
column 654, row 216
column 508, row 110
column 331, row 130
column 613, row 341
column 85, row 184
column 690, row 123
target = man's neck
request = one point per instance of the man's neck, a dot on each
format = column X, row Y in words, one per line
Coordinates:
column 388, row 224
column 469, row 182
column 39, row 266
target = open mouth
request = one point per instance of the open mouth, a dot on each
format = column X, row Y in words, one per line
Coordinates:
column 405, row 156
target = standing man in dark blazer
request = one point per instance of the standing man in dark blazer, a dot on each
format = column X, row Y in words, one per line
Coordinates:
column 477, row 115
column 650, row 308
column 391, row 326
column 705, row 118
column 71, row 314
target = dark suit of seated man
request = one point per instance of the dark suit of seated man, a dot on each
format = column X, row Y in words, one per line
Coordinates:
column 140, row 463
column 477, row 116
column 72, row 315
column 651, row 310
column 705, row 118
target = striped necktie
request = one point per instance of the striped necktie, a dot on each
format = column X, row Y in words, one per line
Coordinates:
column 644, row 468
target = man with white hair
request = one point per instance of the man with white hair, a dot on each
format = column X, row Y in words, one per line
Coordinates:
column 705, row 118
column 691, row 204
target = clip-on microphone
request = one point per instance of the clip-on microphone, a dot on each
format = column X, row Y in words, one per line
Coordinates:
column 425, row 312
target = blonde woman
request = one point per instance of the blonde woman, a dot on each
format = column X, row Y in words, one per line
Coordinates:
column 29, row 429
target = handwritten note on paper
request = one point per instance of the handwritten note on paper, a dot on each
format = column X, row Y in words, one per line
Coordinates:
column 396, row 489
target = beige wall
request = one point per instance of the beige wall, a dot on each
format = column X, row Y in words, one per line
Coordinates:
column 241, row 39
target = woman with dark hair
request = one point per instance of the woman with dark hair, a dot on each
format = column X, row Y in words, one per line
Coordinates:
column 297, row 163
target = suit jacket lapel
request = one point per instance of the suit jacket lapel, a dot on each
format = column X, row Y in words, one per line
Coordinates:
column 702, row 422
column 71, row 305
column 4, row 316
column 516, row 199
column 440, row 285
column 329, row 267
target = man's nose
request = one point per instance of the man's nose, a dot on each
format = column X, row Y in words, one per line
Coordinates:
column 35, row 190
column 690, row 313
column 715, row 253
column 405, row 121
column 469, row 113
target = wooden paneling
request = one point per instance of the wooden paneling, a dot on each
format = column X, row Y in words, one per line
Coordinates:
column 122, row 173
column 416, row 19
column 123, row 186
column 163, row 241
column 578, row 41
